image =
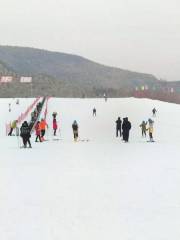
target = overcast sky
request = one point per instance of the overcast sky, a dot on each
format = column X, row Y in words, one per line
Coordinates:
column 140, row 35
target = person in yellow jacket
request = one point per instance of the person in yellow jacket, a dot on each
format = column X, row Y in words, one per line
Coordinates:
column 151, row 129
column 13, row 126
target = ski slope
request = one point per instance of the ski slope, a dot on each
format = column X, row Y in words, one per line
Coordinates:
column 101, row 189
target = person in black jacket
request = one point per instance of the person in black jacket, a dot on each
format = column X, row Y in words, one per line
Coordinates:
column 118, row 127
column 25, row 133
column 126, row 126
column 75, row 130
column 94, row 112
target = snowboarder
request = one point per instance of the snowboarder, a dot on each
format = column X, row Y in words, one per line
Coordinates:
column 118, row 127
column 154, row 112
column 150, row 129
column 43, row 126
column 75, row 130
column 143, row 128
column 25, row 133
column 126, row 126
column 38, row 132
column 94, row 112
column 55, row 126
column 13, row 126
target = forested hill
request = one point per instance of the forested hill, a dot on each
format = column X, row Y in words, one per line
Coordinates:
column 65, row 75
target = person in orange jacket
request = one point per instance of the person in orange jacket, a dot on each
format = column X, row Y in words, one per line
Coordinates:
column 43, row 125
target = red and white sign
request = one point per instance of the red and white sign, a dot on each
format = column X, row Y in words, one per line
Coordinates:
column 26, row 79
column 6, row 79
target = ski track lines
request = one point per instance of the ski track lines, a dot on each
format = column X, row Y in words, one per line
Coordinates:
column 101, row 189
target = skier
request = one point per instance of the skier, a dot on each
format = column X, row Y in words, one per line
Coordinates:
column 39, row 107
column 55, row 126
column 118, row 127
column 151, row 129
column 9, row 109
column 43, row 126
column 126, row 126
column 25, row 134
column 143, row 128
column 13, row 126
column 75, row 130
column 94, row 112
column 38, row 132
column 154, row 112
column 105, row 97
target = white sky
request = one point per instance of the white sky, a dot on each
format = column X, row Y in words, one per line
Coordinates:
column 140, row 35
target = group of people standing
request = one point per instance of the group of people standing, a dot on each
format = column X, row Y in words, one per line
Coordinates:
column 123, row 128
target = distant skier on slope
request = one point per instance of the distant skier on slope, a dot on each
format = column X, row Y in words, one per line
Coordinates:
column 105, row 97
column 151, row 129
column 94, row 112
column 154, row 111
column 9, row 107
column 126, row 126
column 25, row 134
column 118, row 127
column 75, row 130
column 143, row 128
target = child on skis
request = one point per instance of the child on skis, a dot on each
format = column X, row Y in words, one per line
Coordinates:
column 55, row 126
column 143, row 128
column 38, row 132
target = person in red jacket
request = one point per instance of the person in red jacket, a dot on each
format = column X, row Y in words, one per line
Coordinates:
column 38, row 132
column 55, row 126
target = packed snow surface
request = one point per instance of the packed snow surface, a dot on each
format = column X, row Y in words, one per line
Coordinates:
column 97, row 190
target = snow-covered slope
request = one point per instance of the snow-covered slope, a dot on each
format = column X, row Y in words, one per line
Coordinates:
column 101, row 189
